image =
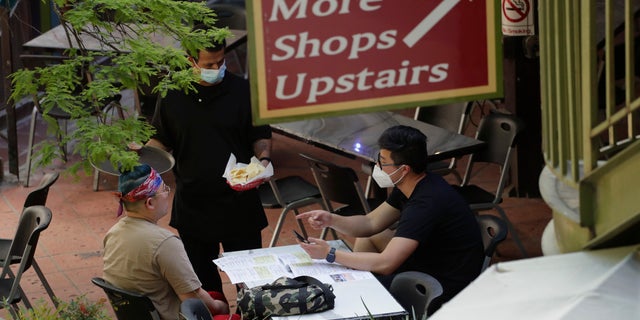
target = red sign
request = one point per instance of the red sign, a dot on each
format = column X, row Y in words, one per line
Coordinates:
column 323, row 57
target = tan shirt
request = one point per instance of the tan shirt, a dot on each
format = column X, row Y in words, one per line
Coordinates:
column 142, row 257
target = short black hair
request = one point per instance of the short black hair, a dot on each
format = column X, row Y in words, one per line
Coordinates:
column 216, row 45
column 408, row 146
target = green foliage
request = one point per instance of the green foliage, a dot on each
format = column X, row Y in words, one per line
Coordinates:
column 83, row 83
column 82, row 309
column 79, row 308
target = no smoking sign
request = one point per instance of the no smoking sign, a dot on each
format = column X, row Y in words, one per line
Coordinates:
column 515, row 10
column 327, row 57
column 517, row 19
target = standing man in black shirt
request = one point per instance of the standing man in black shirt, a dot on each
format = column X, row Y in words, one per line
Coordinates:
column 202, row 129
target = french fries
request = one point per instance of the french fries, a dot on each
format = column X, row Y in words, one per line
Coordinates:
column 243, row 175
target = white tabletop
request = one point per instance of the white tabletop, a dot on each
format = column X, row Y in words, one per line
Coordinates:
column 601, row 284
column 351, row 295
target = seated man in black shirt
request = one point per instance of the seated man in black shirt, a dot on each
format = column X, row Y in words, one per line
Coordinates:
column 436, row 231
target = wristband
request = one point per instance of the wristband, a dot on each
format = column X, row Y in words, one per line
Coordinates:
column 331, row 257
column 265, row 158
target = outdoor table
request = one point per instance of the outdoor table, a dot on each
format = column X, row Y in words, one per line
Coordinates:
column 356, row 296
column 356, row 136
column 56, row 39
column 586, row 285
column 156, row 158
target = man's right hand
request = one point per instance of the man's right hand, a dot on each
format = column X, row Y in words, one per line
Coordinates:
column 318, row 219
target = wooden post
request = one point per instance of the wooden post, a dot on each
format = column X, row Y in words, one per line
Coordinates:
column 5, row 70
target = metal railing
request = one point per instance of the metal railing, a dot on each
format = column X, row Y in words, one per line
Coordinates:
column 590, row 104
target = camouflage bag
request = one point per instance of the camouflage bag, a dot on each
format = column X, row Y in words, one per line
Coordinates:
column 285, row 296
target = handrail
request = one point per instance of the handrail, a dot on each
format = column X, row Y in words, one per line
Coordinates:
column 579, row 127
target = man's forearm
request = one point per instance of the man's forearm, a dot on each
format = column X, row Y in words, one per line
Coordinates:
column 367, row 224
column 356, row 225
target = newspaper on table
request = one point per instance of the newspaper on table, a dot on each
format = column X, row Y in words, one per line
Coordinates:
column 267, row 267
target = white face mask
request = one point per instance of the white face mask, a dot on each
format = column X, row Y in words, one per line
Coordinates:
column 383, row 179
column 213, row 76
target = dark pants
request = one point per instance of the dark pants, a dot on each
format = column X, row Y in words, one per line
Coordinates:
column 201, row 254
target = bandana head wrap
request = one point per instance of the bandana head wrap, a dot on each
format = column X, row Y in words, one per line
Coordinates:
column 138, row 184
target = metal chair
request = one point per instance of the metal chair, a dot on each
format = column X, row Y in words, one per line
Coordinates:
column 37, row 197
column 493, row 231
column 500, row 132
column 128, row 305
column 339, row 185
column 453, row 117
column 414, row 291
column 288, row 193
column 194, row 309
column 32, row 222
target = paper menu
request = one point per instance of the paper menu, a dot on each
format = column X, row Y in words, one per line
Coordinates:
column 338, row 272
column 268, row 267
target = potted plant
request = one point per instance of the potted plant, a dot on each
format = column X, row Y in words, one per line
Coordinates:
column 77, row 308
column 127, row 31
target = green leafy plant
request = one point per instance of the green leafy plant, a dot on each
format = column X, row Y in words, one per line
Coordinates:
column 79, row 308
column 131, row 59
column 82, row 309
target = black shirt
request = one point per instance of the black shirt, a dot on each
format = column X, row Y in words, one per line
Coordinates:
column 450, row 244
column 203, row 129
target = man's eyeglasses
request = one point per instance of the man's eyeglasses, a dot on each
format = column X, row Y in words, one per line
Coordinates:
column 386, row 164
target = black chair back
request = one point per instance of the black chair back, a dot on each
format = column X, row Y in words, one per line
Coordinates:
column 452, row 117
column 289, row 193
column 414, row 291
column 499, row 131
column 493, row 231
column 32, row 222
column 38, row 197
column 338, row 184
column 126, row 304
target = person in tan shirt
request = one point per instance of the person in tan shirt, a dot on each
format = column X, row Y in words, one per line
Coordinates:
column 143, row 257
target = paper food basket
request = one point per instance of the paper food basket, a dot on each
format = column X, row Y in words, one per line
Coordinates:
column 251, row 184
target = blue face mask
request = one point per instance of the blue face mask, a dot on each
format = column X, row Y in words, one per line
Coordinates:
column 213, row 76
